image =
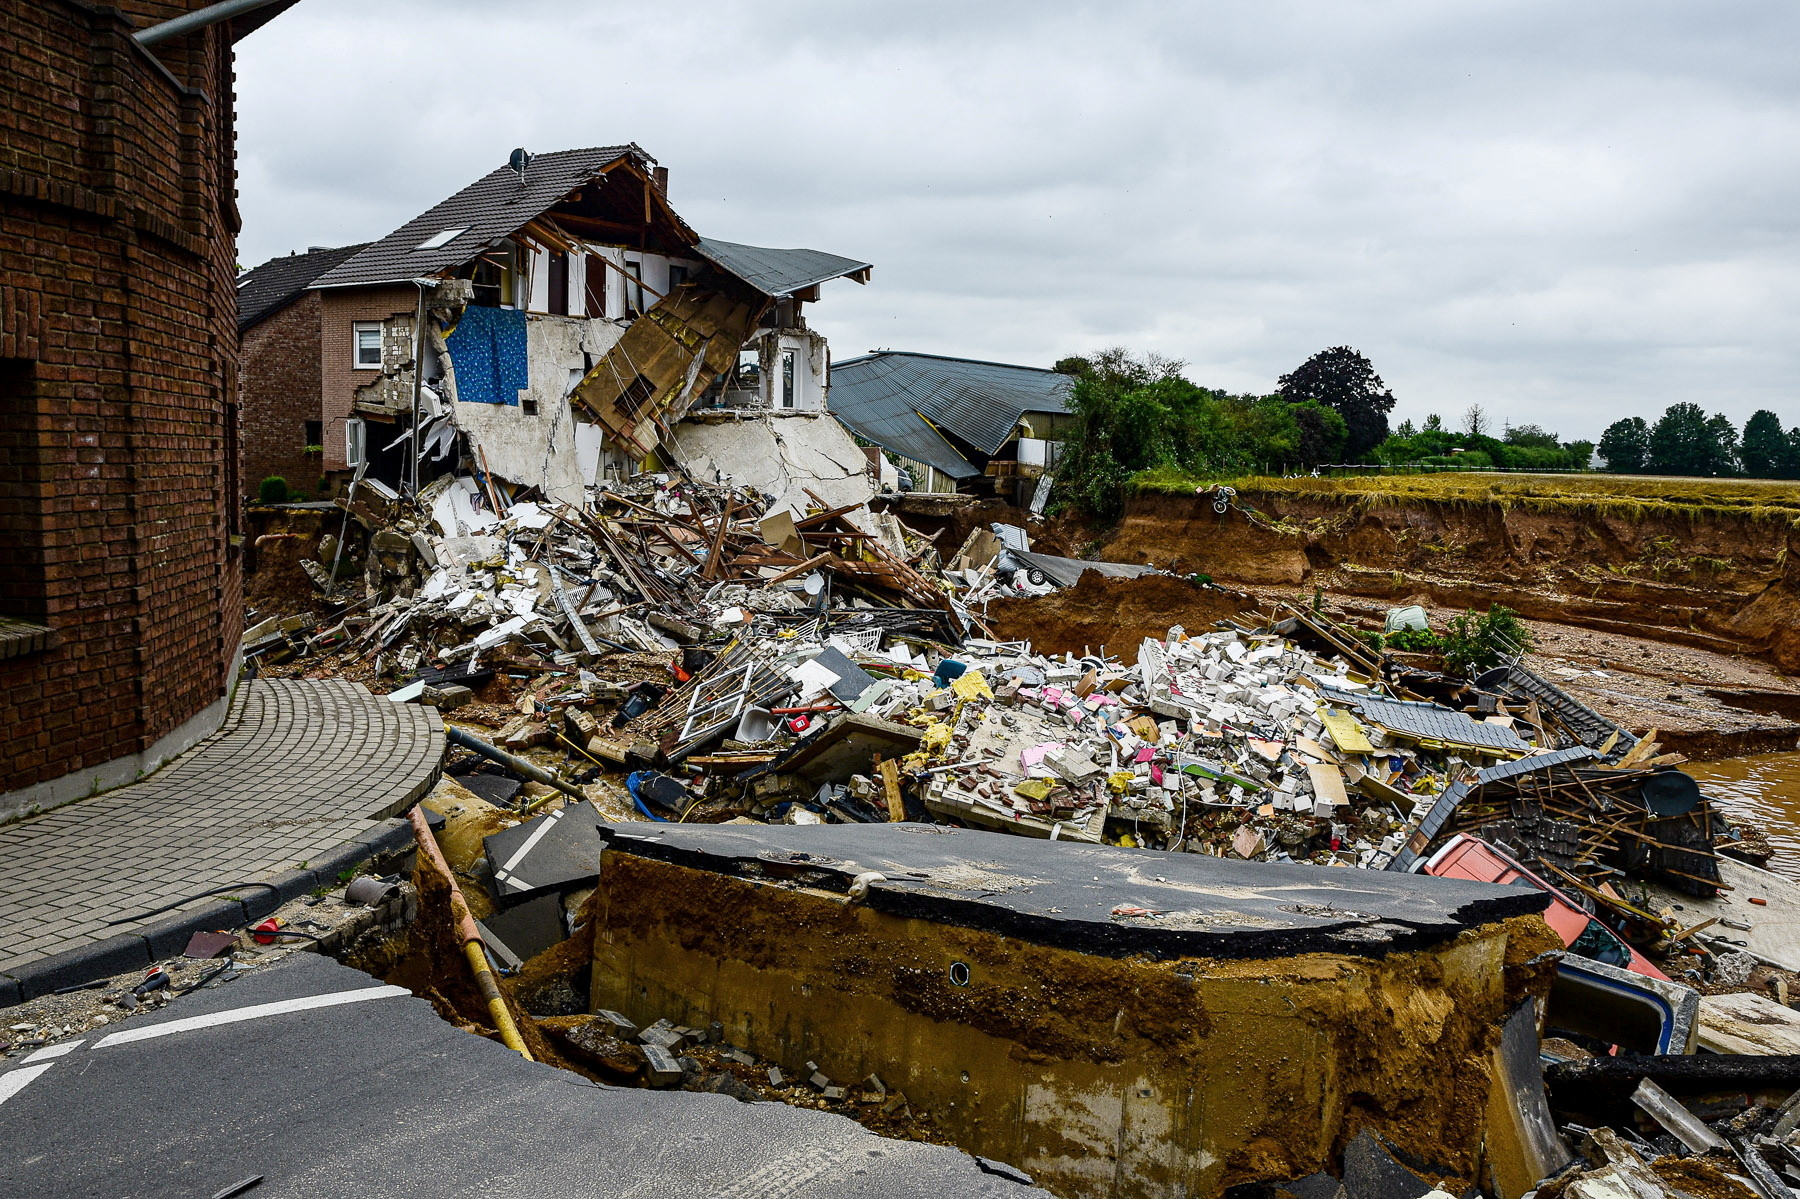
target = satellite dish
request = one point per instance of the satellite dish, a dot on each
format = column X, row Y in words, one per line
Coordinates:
column 521, row 158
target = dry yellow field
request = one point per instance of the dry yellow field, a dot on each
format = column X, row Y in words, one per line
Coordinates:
column 1771, row 499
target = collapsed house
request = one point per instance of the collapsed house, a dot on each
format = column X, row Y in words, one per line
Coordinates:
column 956, row 424
column 559, row 316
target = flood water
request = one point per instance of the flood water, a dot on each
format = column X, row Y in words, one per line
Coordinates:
column 1765, row 791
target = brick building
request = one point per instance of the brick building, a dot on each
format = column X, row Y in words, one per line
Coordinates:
column 120, row 583
column 279, row 330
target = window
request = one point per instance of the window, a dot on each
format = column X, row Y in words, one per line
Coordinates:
column 313, row 434
column 559, row 284
column 634, row 291
column 677, row 276
column 355, row 442
column 368, row 346
column 787, row 378
column 443, row 238
column 22, row 589
column 596, row 284
column 633, row 398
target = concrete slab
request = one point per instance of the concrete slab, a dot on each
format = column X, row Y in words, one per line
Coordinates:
column 378, row 1096
column 556, row 850
column 1095, row 898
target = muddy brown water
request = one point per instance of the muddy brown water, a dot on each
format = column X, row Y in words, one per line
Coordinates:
column 1765, row 790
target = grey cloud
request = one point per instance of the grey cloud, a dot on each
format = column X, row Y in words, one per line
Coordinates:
column 1562, row 212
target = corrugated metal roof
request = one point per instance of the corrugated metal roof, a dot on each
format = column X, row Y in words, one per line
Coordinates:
column 777, row 272
column 893, row 399
column 275, row 284
column 487, row 210
column 1429, row 722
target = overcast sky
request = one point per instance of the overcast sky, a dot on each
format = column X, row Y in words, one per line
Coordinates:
column 1564, row 212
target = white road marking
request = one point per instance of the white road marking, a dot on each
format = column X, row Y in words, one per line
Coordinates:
column 14, row 1081
column 255, row 1012
column 50, row 1051
column 530, row 843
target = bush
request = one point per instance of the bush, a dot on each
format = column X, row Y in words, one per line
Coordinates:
column 273, row 490
column 1472, row 643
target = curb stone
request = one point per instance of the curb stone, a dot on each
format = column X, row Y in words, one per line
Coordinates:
column 126, row 951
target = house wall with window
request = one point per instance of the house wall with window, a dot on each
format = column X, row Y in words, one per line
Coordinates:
column 344, row 313
column 281, row 398
column 118, row 381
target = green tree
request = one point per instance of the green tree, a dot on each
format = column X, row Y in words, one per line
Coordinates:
column 1406, row 429
column 1323, row 433
column 1681, row 443
column 1722, row 445
column 1344, row 380
column 1766, row 451
column 1533, row 436
column 1433, row 424
column 1625, row 446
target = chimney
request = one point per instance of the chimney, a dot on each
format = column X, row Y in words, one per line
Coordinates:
column 661, row 175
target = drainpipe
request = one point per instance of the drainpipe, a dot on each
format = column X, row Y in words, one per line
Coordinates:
column 470, row 936
column 518, row 765
column 414, row 445
column 212, row 14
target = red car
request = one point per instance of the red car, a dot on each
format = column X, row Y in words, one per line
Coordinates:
column 1466, row 857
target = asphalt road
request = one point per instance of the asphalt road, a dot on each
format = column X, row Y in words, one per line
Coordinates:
column 325, row 1083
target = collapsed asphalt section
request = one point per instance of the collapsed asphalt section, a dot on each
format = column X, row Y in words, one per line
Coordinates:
column 1112, row 1021
column 347, row 1087
column 1094, row 899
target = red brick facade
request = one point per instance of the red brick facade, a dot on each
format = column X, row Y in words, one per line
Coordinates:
column 118, row 377
column 343, row 308
column 280, row 389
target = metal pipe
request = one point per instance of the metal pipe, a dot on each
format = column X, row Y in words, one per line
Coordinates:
column 200, row 18
column 470, row 935
column 517, row 765
column 414, row 445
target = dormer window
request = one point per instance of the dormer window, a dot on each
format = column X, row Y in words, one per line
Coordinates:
column 443, row 238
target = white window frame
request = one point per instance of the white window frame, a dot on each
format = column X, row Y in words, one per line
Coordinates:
column 357, row 329
column 356, row 442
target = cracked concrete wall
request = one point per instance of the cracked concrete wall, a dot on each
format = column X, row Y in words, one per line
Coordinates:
column 538, row 449
column 781, row 455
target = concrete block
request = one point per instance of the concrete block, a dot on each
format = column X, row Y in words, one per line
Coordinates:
column 621, row 1023
column 663, row 1070
column 666, row 1039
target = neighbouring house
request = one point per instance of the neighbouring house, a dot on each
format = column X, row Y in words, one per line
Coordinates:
column 283, row 364
column 956, row 424
column 120, row 568
column 566, row 318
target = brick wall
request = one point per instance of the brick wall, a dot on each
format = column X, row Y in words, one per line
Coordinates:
column 118, row 327
column 279, row 387
column 339, row 376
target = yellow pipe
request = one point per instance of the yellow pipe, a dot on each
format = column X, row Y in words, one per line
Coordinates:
column 473, row 949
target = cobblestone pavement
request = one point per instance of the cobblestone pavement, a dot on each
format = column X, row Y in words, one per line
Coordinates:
column 300, row 768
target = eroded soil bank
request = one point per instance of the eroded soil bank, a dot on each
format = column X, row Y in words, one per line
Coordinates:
column 1686, row 624
column 1719, row 580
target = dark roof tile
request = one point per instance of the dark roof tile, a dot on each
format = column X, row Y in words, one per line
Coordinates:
column 278, row 282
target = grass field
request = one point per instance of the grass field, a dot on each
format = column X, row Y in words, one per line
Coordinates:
column 1620, row 495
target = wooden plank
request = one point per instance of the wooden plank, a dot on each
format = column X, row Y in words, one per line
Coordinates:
column 890, row 784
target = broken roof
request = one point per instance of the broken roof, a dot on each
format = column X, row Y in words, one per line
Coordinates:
column 1428, row 722
column 275, row 284
column 900, row 401
column 493, row 207
column 780, row 272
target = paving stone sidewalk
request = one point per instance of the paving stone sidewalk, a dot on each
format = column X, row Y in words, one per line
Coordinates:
column 301, row 770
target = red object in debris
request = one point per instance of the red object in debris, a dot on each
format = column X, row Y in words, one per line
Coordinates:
column 1337, row 843
column 264, row 932
column 800, row 723
column 1761, row 903
column 1129, row 910
column 1469, row 857
column 681, row 676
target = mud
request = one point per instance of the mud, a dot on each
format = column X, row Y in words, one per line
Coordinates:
column 1114, row 616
